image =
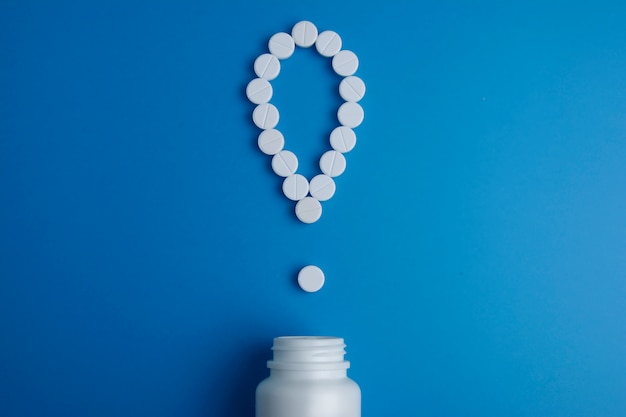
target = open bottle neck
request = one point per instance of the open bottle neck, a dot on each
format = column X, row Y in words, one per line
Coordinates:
column 311, row 354
column 308, row 374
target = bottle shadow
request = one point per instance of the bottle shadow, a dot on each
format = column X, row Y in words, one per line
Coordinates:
column 238, row 364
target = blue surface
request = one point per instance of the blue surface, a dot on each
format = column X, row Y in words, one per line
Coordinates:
column 475, row 251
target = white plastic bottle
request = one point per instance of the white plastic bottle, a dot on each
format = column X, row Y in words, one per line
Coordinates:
column 308, row 378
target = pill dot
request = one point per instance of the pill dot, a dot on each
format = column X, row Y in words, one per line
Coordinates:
column 322, row 187
column 259, row 91
column 284, row 163
column 342, row 139
column 311, row 278
column 352, row 88
column 281, row 45
column 333, row 163
column 308, row 210
column 328, row 43
column 350, row 114
column 345, row 63
column 271, row 141
column 267, row 66
column 295, row 187
column 265, row 116
column 304, row 33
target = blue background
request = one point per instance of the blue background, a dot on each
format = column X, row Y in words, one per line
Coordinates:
column 475, row 250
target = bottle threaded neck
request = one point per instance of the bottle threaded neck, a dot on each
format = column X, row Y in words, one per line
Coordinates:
column 308, row 353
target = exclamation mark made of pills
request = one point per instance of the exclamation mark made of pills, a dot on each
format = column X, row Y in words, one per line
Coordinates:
column 308, row 195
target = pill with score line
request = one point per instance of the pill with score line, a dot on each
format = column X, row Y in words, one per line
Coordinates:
column 281, row 45
column 271, row 141
column 295, row 187
column 267, row 66
column 265, row 116
column 328, row 43
column 284, row 163
column 342, row 139
column 304, row 34
column 333, row 163
column 259, row 91
column 322, row 187
column 352, row 88
column 345, row 63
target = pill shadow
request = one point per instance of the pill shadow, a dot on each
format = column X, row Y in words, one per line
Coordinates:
column 248, row 107
column 294, row 278
column 261, row 47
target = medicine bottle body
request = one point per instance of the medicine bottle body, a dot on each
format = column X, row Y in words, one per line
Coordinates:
column 308, row 378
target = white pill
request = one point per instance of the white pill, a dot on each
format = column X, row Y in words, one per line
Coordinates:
column 304, row 34
column 345, row 63
column 281, row 45
column 328, row 43
column 322, row 187
column 265, row 116
column 285, row 163
column 333, row 163
column 342, row 139
column 271, row 141
column 259, row 91
column 311, row 278
column 350, row 114
column 352, row 88
column 267, row 66
column 308, row 210
column 295, row 187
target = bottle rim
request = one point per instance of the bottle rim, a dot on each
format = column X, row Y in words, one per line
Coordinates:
column 307, row 342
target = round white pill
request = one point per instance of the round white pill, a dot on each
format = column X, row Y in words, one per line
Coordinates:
column 322, row 187
column 281, row 45
column 284, row 163
column 308, row 210
column 295, row 187
column 345, row 63
column 333, row 163
column 265, row 116
column 267, row 66
column 311, row 278
column 350, row 114
column 271, row 141
column 328, row 43
column 342, row 139
column 259, row 91
column 304, row 33
column 352, row 88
